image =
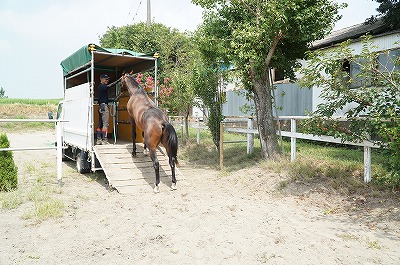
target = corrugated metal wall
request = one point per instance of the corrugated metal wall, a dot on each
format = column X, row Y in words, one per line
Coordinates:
column 293, row 100
column 235, row 100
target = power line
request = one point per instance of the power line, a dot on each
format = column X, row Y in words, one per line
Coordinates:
column 136, row 11
column 129, row 13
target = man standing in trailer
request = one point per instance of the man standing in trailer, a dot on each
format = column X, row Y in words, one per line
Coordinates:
column 102, row 126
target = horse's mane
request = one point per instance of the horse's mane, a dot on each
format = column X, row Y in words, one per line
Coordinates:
column 136, row 83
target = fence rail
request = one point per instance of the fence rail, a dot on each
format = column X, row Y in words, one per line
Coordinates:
column 249, row 131
column 293, row 135
column 58, row 141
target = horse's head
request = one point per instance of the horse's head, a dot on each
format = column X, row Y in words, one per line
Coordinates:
column 129, row 83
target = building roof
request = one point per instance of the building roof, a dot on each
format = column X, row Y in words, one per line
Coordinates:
column 352, row 32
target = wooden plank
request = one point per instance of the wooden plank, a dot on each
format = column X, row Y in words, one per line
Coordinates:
column 132, row 166
column 126, row 173
column 150, row 177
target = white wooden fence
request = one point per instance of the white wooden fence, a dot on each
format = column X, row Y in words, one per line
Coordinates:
column 58, row 140
column 293, row 134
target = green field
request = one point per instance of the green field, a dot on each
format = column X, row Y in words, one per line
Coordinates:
column 26, row 109
column 29, row 101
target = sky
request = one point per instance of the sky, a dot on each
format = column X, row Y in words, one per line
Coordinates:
column 35, row 36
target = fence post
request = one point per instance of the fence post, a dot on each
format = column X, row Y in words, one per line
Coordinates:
column 221, row 145
column 198, row 130
column 182, row 123
column 250, row 137
column 59, row 153
column 367, row 164
column 292, row 140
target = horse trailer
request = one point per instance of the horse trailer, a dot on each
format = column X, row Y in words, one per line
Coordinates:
column 79, row 107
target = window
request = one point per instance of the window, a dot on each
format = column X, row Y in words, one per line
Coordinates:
column 346, row 71
column 277, row 75
column 346, row 66
column 355, row 73
column 389, row 61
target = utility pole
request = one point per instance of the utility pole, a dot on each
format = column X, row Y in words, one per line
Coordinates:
column 148, row 13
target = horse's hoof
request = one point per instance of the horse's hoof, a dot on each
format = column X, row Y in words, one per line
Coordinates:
column 134, row 154
column 156, row 189
column 145, row 152
column 173, row 186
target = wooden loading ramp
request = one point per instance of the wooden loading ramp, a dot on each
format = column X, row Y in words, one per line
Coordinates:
column 128, row 174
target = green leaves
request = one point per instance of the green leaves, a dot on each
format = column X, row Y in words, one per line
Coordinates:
column 245, row 31
column 367, row 93
column 8, row 170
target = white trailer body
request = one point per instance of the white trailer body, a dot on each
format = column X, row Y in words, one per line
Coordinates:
column 77, row 111
column 79, row 106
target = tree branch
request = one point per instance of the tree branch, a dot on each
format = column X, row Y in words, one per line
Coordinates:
column 271, row 51
column 248, row 8
column 388, row 79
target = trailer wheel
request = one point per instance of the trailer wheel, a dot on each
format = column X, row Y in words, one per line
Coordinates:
column 82, row 165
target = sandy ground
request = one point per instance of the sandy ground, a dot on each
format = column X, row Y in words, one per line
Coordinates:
column 211, row 219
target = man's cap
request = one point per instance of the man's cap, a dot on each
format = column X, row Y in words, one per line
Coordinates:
column 104, row 76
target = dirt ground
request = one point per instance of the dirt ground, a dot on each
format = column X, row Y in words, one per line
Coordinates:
column 241, row 218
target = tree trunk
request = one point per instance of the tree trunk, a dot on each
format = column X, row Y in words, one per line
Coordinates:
column 264, row 111
column 214, row 120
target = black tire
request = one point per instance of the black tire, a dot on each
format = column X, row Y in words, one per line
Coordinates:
column 82, row 165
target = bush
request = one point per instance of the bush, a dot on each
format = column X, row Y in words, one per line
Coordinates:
column 8, row 170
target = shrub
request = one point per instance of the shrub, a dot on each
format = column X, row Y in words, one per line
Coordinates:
column 8, row 170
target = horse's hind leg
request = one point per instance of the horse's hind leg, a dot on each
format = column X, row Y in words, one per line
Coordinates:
column 133, row 124
column 145, row 150
column 156, row 166
column 172, row 165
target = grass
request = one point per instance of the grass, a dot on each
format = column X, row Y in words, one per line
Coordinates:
column 337, row 166
column 43, row 210
column 370, row 244
column 374, row 244
column 206, row 153
column 11, row 200
column 26, row 101
column 39, row 193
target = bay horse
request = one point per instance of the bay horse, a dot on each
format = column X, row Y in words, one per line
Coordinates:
column 154, row 124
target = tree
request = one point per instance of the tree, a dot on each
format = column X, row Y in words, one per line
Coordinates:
column 259, row 35
column 177, row 57
column 169, row 43
column 2, row 93
column 181, row 98
column 206, row 79
column 389, row 11
column 372, row 104
column 8, row 170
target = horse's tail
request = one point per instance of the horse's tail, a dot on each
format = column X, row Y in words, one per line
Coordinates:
column 171, row 139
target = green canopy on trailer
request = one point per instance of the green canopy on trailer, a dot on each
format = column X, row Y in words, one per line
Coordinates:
column 106, row 58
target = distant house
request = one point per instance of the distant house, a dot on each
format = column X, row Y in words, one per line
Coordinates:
column 294, row 101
